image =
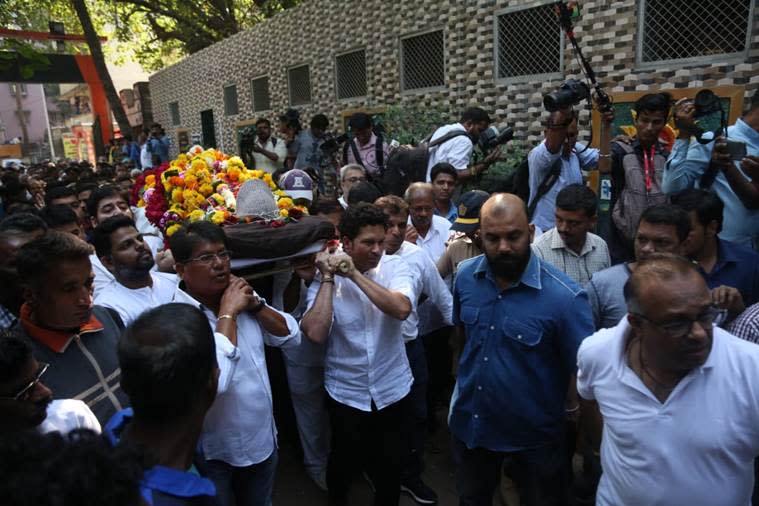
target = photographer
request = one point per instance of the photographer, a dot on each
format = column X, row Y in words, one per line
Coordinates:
column 458, row 150
column 269, row 153
column 561, row 153
column 307, row 145
column 365, row 149
column 710, row 166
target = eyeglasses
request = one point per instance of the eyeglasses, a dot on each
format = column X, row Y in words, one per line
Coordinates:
column 711, row 317
column 26, row 392
column 208, row 258
column 355, row 179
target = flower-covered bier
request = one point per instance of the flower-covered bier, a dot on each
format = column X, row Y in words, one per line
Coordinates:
column 201, row 184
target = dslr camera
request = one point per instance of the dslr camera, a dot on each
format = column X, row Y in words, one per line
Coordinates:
column 571, row 92
column 332, row 143
column 492, row 137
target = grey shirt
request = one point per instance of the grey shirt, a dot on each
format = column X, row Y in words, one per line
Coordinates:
column 606, row 294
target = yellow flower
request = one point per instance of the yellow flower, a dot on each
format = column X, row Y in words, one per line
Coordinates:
column 140, row 203
column 177, row 195
column 196, row 215
column 173, row 228
column 258, row 174
column 284, row 213
column 218, row 217
column 150, row 181
column 206, row 190
column 285, row 203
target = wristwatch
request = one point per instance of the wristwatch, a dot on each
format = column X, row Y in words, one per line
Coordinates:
column 259, row 307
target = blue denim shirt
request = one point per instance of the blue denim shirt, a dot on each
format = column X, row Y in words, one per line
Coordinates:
column 686, row 165
column 520, row 352
column 737, row 266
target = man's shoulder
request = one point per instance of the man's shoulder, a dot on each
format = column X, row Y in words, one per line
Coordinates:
column 553, row 278
column 610, row 275
column 745, row 256
column 441, row 224
column 737, row 349
column 597, row 346
column 543, row 241
column 467, row 267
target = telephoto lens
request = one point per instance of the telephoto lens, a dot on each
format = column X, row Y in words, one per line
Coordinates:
column 571, row 92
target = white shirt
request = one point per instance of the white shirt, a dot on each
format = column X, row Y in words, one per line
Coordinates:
column 697, row 448
column 342, row 201
column 103, row 276
column 456, row 151
column 131, row 303
column 146, row 157
column 239, row 428
column 263, row 162
column 366, row 357
column 437, row 309
column 434, row 242
column 65, row 415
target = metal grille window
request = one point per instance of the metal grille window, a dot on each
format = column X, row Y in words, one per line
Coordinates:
column 423, row 61
column 230, row 100
column 350, row 74
column 299, row 84
column 684, row 30
column 259, row 90
column 174, row 113
column 529, row 43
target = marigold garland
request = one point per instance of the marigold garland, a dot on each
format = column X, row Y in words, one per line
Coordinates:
column 202, row 184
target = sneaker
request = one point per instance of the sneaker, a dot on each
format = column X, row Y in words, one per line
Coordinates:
column 419, row 492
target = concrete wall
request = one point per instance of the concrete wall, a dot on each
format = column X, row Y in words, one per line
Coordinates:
column 318, row 30
column 31, row 102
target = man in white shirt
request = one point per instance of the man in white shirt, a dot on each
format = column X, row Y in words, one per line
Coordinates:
column 25, row 401
column 239, row 435
column 458, row 150
column 678, row 397
column 123, row 251
column 430, row 286
column 427, row 230
column 107, row 201
column 571, row 246
column 269, row 152
column 359, row 314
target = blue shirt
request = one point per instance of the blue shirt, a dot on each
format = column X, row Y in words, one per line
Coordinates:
column 453, row 213
column 160, row 147
column 737, row 266
column 541, row 160
column 164, row 486
column 686, row 165
column 520, row 352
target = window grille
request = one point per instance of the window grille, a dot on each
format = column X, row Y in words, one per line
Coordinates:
column 174, row 113
column 230, row 100
column 683, row 29
column 423, row 61
column 350, row 74
column 299, row 84
column 529, row 43
column 259, row 90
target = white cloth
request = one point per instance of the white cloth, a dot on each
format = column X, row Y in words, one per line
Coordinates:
column 697, row 448
column 103, row 276
column 239, row 428
column 65, row 415
column 456, row 151
column 342, row 201
column 434, row 242
column 146, row 157
column 437, row 309
column 131, row 303
column 263, row 162
column 366, row 356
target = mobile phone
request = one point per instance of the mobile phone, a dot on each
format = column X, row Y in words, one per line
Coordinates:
column 737, row 150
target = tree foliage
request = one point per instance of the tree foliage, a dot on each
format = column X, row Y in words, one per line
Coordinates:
column 155, row 33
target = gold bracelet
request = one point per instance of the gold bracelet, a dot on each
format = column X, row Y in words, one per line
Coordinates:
column 226, row 316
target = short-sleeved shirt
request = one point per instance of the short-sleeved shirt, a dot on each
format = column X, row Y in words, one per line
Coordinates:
column 697, row 447
column 272, row 145
column 368, row 154
column 593, row 257
column 541, row 160
column 366, row 358
column 520, row 353
column 606, row 294
column 131, row 303
column 456, row 151
column 437, row 236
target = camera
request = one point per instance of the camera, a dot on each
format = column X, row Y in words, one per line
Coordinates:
column 492, row 137
column 332, row 143
column 571, row 92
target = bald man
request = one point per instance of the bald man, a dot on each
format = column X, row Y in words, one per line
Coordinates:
column 679, row 396
column 426, row 229
column 524, row 320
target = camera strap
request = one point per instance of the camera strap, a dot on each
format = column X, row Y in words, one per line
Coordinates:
column 545, row 186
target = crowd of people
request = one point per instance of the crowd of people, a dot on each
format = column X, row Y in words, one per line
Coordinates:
column 544, row 338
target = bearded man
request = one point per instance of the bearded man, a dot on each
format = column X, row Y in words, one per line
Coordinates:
column 524, row 320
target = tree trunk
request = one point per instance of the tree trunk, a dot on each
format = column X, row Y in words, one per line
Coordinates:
column 99, row 61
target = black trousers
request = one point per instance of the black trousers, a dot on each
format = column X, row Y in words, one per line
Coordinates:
column 540, row 474
column 370, row 440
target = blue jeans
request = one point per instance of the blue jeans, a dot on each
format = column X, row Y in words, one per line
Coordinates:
column 540, row 474
column 243, row 486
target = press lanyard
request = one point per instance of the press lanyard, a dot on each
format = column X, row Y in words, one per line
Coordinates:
column 649, row 168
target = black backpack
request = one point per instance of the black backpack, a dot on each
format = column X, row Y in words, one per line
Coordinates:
column 518, row 183
column 408, row 164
